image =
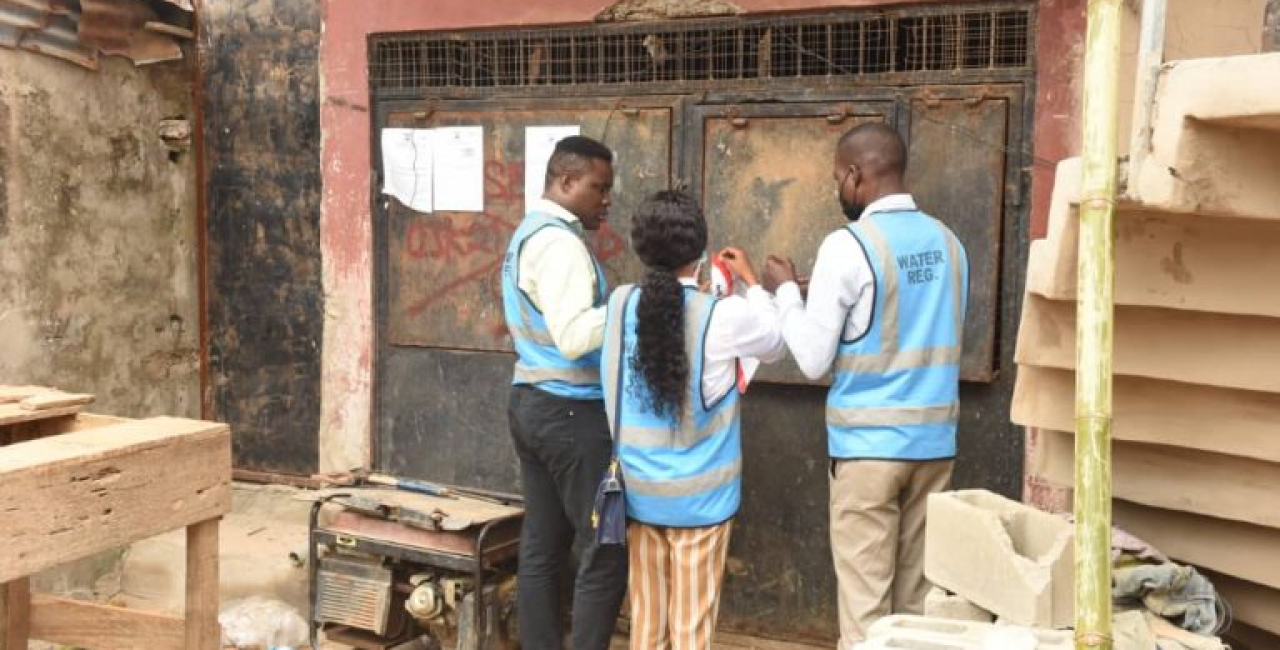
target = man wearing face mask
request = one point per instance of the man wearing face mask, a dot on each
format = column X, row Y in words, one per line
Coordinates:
column 885, row 313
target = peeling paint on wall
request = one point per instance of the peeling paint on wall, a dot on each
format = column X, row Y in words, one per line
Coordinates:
column 636, row 10
column 98, row 276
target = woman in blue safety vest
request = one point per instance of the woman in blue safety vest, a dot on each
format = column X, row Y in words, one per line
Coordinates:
column 671, row 382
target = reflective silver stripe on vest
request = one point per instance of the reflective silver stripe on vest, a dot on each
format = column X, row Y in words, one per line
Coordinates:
column 901, row 360
column 580, row 376
column 870, row 416
column 613, row 351
column 685, row 434
column 683, row 437
column 889, row 309
column 957, row 290
column 696, row 484
column 528, row 334
column 523, row 303
column 890, row 359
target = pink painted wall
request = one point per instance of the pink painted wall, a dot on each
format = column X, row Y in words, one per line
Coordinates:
column 346, row 228
column 1060, row 35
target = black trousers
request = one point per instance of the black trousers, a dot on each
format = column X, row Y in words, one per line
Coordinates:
column 564, row 448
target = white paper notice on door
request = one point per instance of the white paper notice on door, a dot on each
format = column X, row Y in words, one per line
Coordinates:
column 407, row 157
column 459, row 169
column 539, row 144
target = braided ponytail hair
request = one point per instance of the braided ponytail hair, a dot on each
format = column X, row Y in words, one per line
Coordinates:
column 667, row 233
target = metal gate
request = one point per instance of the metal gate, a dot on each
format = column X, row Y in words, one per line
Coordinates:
column 745, row 113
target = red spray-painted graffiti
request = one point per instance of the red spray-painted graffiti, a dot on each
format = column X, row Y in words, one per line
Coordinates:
column 477, row 244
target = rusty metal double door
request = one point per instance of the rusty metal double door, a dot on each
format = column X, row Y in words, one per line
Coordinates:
column 762, row 168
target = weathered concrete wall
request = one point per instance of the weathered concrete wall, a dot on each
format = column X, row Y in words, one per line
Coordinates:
column 98, row 279
column 98, row 276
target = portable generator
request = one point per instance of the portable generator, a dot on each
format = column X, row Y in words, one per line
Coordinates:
column 392, row 569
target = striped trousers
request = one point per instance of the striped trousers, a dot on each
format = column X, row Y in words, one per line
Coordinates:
column 676, row 575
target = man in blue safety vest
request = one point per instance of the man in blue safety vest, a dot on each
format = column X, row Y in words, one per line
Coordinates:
column 885, row 313
column 553, row 295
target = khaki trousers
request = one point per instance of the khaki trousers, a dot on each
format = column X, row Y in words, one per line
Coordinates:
column 877, row 538
column 676, row 575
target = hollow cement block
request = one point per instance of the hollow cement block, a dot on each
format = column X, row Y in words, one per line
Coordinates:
column 1005, row 557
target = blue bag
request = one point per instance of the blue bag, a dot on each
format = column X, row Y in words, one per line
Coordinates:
column 609, row 515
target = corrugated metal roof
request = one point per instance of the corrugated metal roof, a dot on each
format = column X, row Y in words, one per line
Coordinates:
column 119, row 27
column 80, row 33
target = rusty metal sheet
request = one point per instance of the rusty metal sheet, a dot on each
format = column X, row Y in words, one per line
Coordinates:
column 766, row 182
column 957, row 151
column 119, row 27
column 54, row 28
column 59, row 39
column 45, row 27
column 443, row 280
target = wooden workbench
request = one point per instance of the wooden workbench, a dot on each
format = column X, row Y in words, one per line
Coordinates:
column 74, row 484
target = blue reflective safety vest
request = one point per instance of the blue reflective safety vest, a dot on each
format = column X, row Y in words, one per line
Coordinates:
column 895, row 390
column 538, row 361
column 685, row 473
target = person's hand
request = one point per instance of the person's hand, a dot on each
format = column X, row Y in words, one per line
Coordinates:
column 738, row 262
column 777, row 272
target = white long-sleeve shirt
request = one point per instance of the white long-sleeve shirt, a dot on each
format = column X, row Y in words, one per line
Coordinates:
column 841, row 296
column 740, row 327
column 557, row 274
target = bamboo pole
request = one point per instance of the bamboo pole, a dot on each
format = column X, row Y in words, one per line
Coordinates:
column 1094, row 310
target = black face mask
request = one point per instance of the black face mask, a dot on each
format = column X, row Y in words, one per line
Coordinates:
column 852, row 211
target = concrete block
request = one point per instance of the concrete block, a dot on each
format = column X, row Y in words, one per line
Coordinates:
column 904, row 632
column 1007, row 558
column 1214, row 485
column 1174, row 261
column 941, row 604
column 1214, row 139
column 1213, row 349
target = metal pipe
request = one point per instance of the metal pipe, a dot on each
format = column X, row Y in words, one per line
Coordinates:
column 1150, row 60
column 202, row 207
column 1271, row 27
column 1094, row 320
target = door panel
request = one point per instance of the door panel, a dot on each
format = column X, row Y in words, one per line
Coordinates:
column 444, row 281
column 957, row 172
column 766, row 181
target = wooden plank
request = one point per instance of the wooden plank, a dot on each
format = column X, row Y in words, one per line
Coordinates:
column 1234, row 548
column 54, row 400
column 1225, row 487
column 202, row 629
column 166, row 28
column 732, row 641
column 35, row 429
column 15, row 612
column 17, row 393
column 1220, row 420
column 71, row 495
column 1210, row 349
column 14, row 413
column 90, row 625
